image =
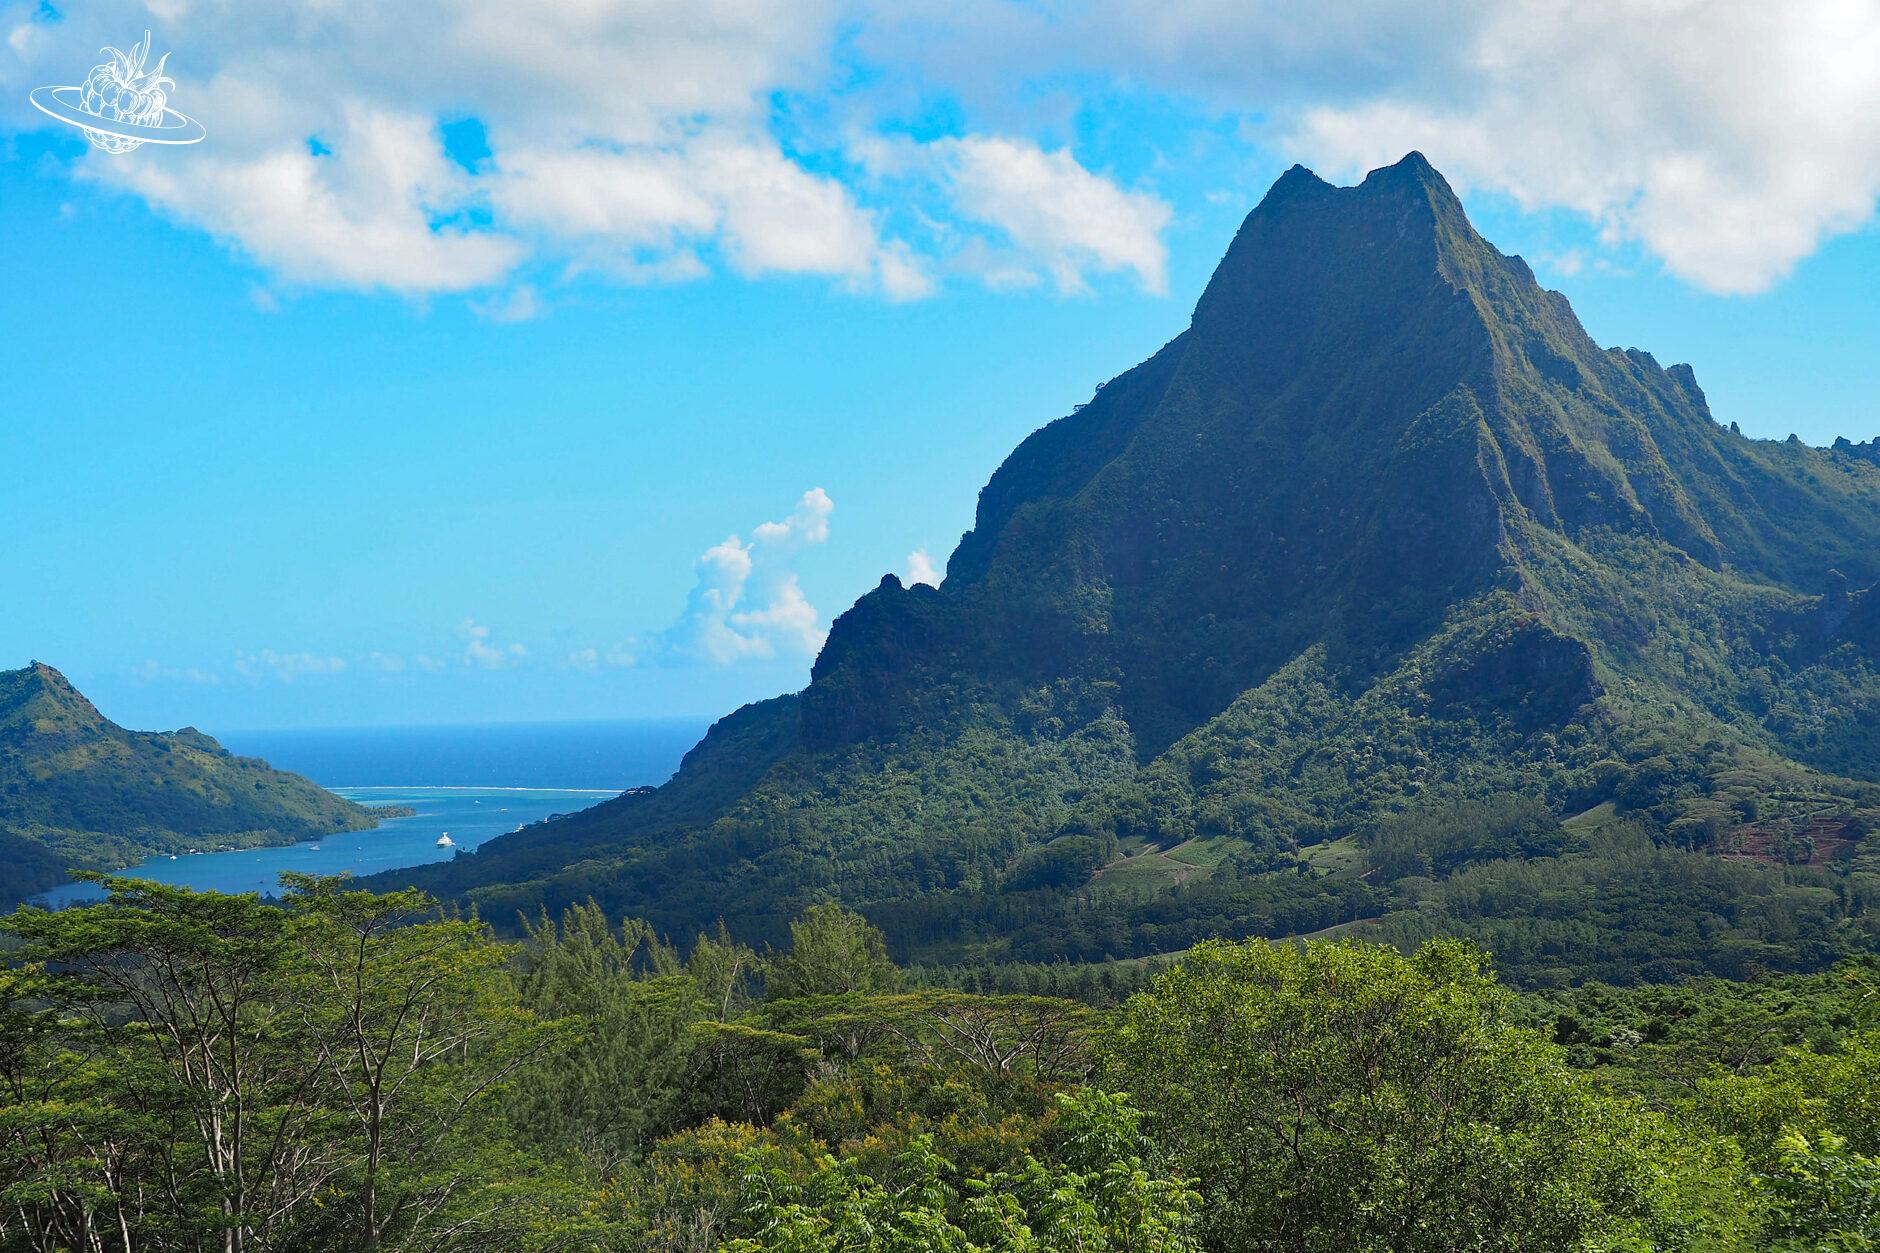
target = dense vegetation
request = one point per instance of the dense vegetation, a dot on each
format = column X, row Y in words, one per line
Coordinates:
column 1382, row 533
column 78, row 791
column 347, row 1071
column 1132, row 891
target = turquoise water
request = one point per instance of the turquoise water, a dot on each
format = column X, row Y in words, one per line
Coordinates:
column 471, row 815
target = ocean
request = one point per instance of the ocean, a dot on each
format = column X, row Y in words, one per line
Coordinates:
column 615, row 755
column 467, row 783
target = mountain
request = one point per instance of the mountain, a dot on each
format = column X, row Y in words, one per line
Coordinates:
column 79, row 791
column 1382, row 549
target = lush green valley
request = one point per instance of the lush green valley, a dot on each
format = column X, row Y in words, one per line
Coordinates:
column 1387, row 775
column 1381, row 535
column 78, row 791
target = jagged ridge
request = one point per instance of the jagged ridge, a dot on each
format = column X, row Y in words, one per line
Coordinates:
column 1382, row 527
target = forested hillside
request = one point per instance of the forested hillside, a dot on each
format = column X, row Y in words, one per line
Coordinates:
column 77, row 791
column 184, row 1071
column 1382, row 537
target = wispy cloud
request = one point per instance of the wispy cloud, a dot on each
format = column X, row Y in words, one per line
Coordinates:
column 156, row 672
column 287, row 667
column 521, row 303
column 1055, row 213
column 483, row 653
column 594, row 660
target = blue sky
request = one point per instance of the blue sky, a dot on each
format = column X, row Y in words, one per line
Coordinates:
column 527, row 389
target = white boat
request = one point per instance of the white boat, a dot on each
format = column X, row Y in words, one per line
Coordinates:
column 444, row 841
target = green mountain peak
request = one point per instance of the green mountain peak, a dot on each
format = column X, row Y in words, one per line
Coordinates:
column 1383, row 529
column 79, row 791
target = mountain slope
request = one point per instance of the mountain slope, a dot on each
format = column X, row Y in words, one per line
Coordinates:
column 1383, row 530
column 79, row 791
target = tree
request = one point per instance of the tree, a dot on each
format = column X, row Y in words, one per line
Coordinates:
column 416, row 1028
column 1344, row 1097
column 1039, row 1035
column 1822, row 1196
column 832, row 952
column 1101, row 1194
column 633, row 1077
column 177, row 1001
column 207, row 1071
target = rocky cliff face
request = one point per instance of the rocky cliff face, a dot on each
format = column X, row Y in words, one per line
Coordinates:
column 1370, row 414
column 1382, row 525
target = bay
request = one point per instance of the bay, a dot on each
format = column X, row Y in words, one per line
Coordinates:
column 470, row 783
column 468, row 815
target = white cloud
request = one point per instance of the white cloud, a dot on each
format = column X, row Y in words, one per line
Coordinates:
column 747, row 603
column 921, row 569
column 362, row 217
column 593, row 660
column 808, row 523
column 1008, row 209
column 647, row 209
column 287, row 667
column 1730, row 139
column 481, row 652
column 638, row 199
column 519, row 304
column 639, row 142
column 668, row 139
column 1055, row 211
column 387, row 663
column 156, row 672
column 22, row 37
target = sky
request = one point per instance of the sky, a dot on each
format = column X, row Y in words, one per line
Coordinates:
column 498, row 360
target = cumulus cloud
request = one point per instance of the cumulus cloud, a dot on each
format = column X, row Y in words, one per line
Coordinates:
column 1729, row 139
column 1055, row 211
column 483, row 653
column 639, row 142
column 646, row 213
column 362, row 216
column 921, row 569
column 747, row 603
column 808, row 523
column 672, row 139
column 1010, row 209
column 287, row 667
